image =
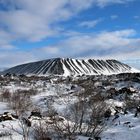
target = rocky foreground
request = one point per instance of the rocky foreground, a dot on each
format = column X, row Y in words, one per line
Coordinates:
column 80, row 108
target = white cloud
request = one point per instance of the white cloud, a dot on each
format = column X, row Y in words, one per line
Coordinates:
column 34, row 20
column 114, row 17
column 7, row 47
column 136, row 17
column 120, row 44
column 50, row 50
column 5, row 40
column 10, row 58
column 91, row 23
column 104, row 44
column 103, row 3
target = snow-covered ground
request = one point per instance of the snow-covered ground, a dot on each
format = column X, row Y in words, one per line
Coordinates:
column 60, row 95
column 126, row 127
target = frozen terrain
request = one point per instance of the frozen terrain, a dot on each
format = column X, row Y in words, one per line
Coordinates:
column 54, row 100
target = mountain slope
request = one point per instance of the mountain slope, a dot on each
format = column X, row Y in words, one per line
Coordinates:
column 61, row 66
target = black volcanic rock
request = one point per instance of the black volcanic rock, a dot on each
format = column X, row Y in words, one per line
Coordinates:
column 61, row 66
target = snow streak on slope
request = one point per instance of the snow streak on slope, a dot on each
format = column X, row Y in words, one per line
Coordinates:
column 66, row 67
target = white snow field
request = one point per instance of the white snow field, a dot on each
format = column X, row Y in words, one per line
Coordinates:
column 61, row 92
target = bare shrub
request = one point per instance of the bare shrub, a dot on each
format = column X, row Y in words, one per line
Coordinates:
column 5, row 134
column 5, row 95
column 29, row 92
column 20, row 103
column 64, row 129
column 131, row 104
column 24, row 131
column 40, row 132
column 85, row 117
column 95, row 118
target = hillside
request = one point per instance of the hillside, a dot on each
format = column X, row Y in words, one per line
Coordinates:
column 67, row 67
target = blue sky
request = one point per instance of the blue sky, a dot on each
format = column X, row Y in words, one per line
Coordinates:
column 33, row 30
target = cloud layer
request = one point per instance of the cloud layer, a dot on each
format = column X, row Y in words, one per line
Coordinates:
column 37, row 20
column 116, row 44
column 103, row 44
column 34, row 20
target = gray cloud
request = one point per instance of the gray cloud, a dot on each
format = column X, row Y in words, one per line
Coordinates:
column 10, row 58
column 34, row 20
column 117, row 44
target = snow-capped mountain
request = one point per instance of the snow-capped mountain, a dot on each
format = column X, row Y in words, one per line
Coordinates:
column 66, row 67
